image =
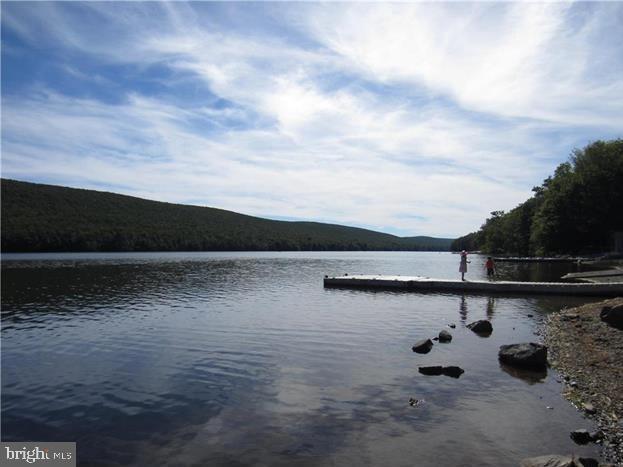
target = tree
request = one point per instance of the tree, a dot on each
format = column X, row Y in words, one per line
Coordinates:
column 576, row 210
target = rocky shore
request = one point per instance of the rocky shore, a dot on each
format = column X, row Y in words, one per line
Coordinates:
column 588, row 353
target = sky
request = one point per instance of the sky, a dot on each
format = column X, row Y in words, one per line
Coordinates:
column 406, row 118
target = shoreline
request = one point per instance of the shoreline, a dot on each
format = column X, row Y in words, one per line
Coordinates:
column 588, row 354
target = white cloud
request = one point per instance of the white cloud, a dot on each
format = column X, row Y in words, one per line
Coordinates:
column 512, row 59
column 420, row 117
column 145, row 149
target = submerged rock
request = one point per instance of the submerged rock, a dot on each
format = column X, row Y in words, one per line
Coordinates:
column 526, row 355
column 482, row 327
column 445, row 336
column 612, row 315
column 431, row 370
column 452, row 371
column 422, row 346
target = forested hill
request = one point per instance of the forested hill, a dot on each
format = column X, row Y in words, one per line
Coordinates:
column 579, row 209
column 39, row 217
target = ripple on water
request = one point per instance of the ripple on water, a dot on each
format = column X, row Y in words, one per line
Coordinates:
column 244, row 358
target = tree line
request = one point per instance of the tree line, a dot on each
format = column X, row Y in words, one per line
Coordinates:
column 40, row 218
column 577, row 210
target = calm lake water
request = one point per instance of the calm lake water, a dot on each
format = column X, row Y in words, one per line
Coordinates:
column 233, row 359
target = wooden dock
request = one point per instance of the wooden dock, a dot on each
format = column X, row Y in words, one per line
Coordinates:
column 604, row 276
column 427, row 284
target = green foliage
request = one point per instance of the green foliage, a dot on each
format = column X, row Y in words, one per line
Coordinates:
column 469, row 242
column 582, row 205
column 577, row 210
column 51, row 218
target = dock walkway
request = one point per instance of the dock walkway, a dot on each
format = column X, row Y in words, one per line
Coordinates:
column 427, row 284
column 604, row 276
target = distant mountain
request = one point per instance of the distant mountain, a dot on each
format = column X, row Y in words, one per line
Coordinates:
column 39, row 217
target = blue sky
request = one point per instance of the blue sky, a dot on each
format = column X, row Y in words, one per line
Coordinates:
column 409, row 118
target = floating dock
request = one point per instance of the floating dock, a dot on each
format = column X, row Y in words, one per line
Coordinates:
column 427, row 284
column 604, row 276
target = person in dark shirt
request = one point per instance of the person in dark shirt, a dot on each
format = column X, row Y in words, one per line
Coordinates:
column 490, row 265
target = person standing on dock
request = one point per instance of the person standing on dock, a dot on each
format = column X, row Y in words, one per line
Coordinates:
column 463, row 265
column 490, row 265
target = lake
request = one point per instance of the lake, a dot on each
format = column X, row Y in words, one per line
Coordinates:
column 235, row 359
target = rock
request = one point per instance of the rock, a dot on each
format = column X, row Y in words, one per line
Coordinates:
column 526, row 355
column 552, row 461
column 588, row 462
column 453, row 371
column 422, row 346
column 414, row 402
column 445, row 336
column 568, row 317
column 482, row 327
column 581, row 436
column 597, row 435
column 588, row 408
column 431, row 370
column 612, row 315
column 452, row 325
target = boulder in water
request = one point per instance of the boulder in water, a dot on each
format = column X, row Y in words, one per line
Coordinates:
column 525, row 355
column 482, row 327
column 445, row 336
column 422, row 346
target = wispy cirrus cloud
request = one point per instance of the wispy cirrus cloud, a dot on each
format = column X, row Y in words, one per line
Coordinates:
column 409, row 118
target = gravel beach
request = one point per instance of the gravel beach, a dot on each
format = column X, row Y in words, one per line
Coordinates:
column 588, row 353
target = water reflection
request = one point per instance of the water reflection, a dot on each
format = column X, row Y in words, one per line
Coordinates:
column 463, row 309
column 490, row 307
column 249, row 361
column 530, row 376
